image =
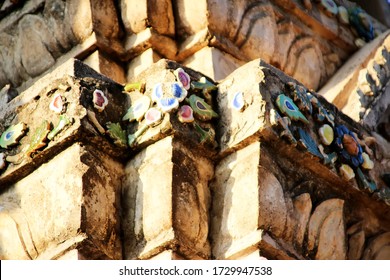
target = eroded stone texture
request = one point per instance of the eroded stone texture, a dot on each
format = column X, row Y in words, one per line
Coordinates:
column 36, row 216
column 167, row 255
column 138, row 15
column 106, row 66
column 273, row 209
column 142, row 62
column 169, row 177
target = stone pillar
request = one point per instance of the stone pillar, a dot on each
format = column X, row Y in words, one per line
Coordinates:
column 165, row 195
column 165, row 202
column 235, row 208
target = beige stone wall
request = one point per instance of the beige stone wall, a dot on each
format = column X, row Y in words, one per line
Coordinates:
column 251, row 177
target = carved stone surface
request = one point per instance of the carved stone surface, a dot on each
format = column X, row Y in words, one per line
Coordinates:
column 326, row 231
column 33, row 39
column 83, row 207
column 213, row 63
column 106, row 66
column 141, row 63
column 302, row 206
column 138, row 15
column 169, row 177
column 235, row 224
column 378, row 248
column 305, row 44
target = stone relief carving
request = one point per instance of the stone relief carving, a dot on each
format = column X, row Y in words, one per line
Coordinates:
column 44, row 31
column 261, row 29
column 16, row 238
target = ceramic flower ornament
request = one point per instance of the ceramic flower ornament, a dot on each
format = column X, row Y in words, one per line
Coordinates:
column 329, row 7
column 205, row 87
column 157, row 92
column 326, row 134
column 348, row 145
column 237, row 102
column 153, row 117
column 346, row 172
column 183, row 78
column 38, row 138
column 367, row 162
column 343, row 15
column 12, row 135
column 168, row 92
column 168, row 104
column 185, row 114
column 99, row 100
column 178, row 92
column 57, row 104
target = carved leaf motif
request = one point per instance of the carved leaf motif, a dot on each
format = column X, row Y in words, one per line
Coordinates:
column 356, row 245
column 326, row 231
column 379, row 248
column 302, row 206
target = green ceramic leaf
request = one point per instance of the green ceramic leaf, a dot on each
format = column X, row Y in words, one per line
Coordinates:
column 117, row 134
column 38, row 139
column 12, row 135
column 63, row 122
column 288, row 107
column 206, row 136
column 202, row 110
column 205, row 87
column 132, row 138
column 135, row 86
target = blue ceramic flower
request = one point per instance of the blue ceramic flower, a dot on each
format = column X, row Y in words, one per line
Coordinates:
column 348, row 145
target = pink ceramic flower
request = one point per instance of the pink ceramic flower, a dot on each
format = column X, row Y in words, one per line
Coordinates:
column 183, row 78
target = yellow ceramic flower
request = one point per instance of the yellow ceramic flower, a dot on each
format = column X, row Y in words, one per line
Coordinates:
column 367, row 162
column 346, row 172
column 326, row 134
